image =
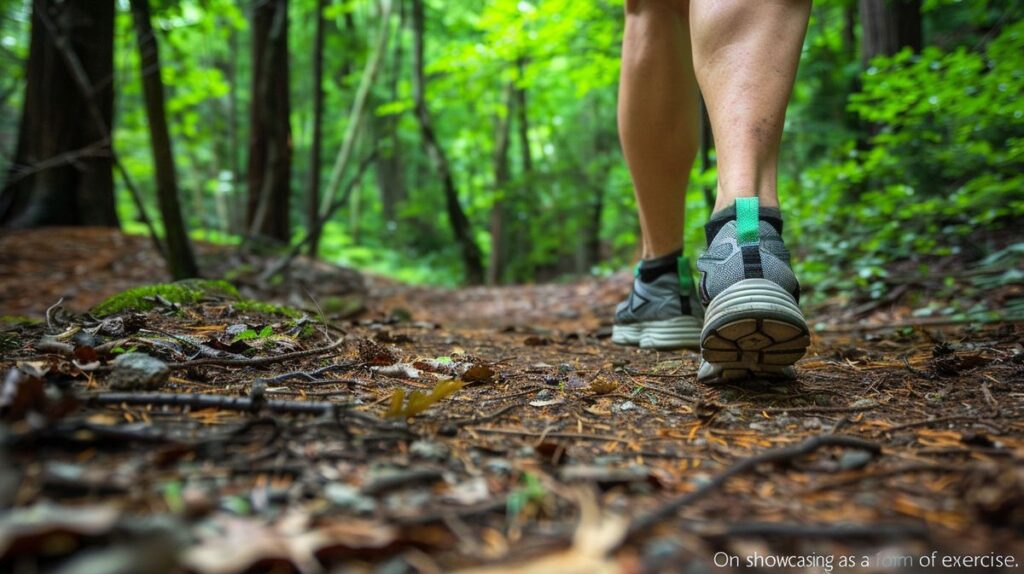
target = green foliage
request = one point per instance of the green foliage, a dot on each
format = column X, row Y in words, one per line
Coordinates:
column 146, row 297
column 251, row 305
column 897, row 160
column 250, row 334
column 945, row 156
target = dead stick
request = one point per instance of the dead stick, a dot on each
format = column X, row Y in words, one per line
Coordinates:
column 669, row 508
column 566, row 435
column 257, row 361
column 816, row 531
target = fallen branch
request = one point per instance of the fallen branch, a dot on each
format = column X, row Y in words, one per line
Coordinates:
column 883, row 531
column 774, row 456
column 543, row 435
column 256, row 361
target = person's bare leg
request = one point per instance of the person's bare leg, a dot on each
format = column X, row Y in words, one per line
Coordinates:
column 658, row 118
column 745, row 55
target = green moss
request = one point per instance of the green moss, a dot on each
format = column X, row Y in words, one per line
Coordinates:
column 184, row 292
column 268, row 308
column 12, row 321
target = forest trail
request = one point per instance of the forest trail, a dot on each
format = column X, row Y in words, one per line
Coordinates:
column 552, row 449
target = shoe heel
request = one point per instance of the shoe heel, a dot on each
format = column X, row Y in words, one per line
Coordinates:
column 753, row 329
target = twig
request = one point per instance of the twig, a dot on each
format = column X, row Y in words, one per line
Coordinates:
column 909, row 469
column 915, row 371
column 942, row 420
column 565, row 435
column 817, row 409
column 481, row 418
column 665, row 392
column 257, row 361
column 671, row 507
column 310, row 376
column 820, row 531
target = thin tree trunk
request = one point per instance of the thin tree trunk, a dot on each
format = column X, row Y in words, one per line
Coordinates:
column 889, row 26
column 461, row 227
column 270, row 128
column 355, row 117
column 502, row 137
column 237, row 200
column 390, row 180
column 180, row 258
column 313, row 205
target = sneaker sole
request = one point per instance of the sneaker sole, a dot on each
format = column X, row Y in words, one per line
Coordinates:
column 665, row 335
column 752, row 330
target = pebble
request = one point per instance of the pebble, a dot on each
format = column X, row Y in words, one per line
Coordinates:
column 347, row 497
column 429, row 450
column 138, row 371
column 624, row 406
column 544, row 395
column 854, row 459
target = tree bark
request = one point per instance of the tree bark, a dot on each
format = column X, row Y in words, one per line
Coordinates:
column 355, row 117
column 888, row 26
column 270, row 150
column 502, row 138
column 389, row 165
column 62, row 173
column 461, row 227
column 313, row 199
column 180, row 258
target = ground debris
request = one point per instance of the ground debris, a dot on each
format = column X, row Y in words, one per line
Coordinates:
column 535, row 448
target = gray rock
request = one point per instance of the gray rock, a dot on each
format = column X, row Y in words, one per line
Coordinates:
column 624, row 406
column 138, row 371
column 429, row 450
column 853, row 459
column 347, row 497
column 544, row 395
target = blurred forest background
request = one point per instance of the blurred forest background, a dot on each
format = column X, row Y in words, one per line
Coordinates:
column 470, row 142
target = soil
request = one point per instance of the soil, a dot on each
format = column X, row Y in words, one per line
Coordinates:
column 492, row 428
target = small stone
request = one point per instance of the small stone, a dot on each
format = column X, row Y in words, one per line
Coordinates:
column 812, row 423
column 854, row 459
column 429, row 450
column 498, row 466
column 544, row 395
column 862, row 404
column 759, row 426
column 624, row 406
column 347, row 497
column 138, row 371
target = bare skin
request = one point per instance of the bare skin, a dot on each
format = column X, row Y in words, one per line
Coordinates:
column 658, row 117
column 744, row 57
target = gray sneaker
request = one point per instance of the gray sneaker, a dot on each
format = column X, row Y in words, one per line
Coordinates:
column 662, row 311
column 753, row 325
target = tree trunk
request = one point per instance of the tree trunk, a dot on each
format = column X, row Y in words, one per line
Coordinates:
column 313, row 199
column 355, row 118
column 385, row 135
column 889, row 26
column 502, row 137
column 180, row 258
column 270, row 153
column 461, row 227
column 62, row 170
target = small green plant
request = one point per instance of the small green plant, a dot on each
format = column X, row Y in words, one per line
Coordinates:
column 530, row 490
column 249, row 334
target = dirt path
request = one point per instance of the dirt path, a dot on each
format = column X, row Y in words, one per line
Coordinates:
column 560, row 451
